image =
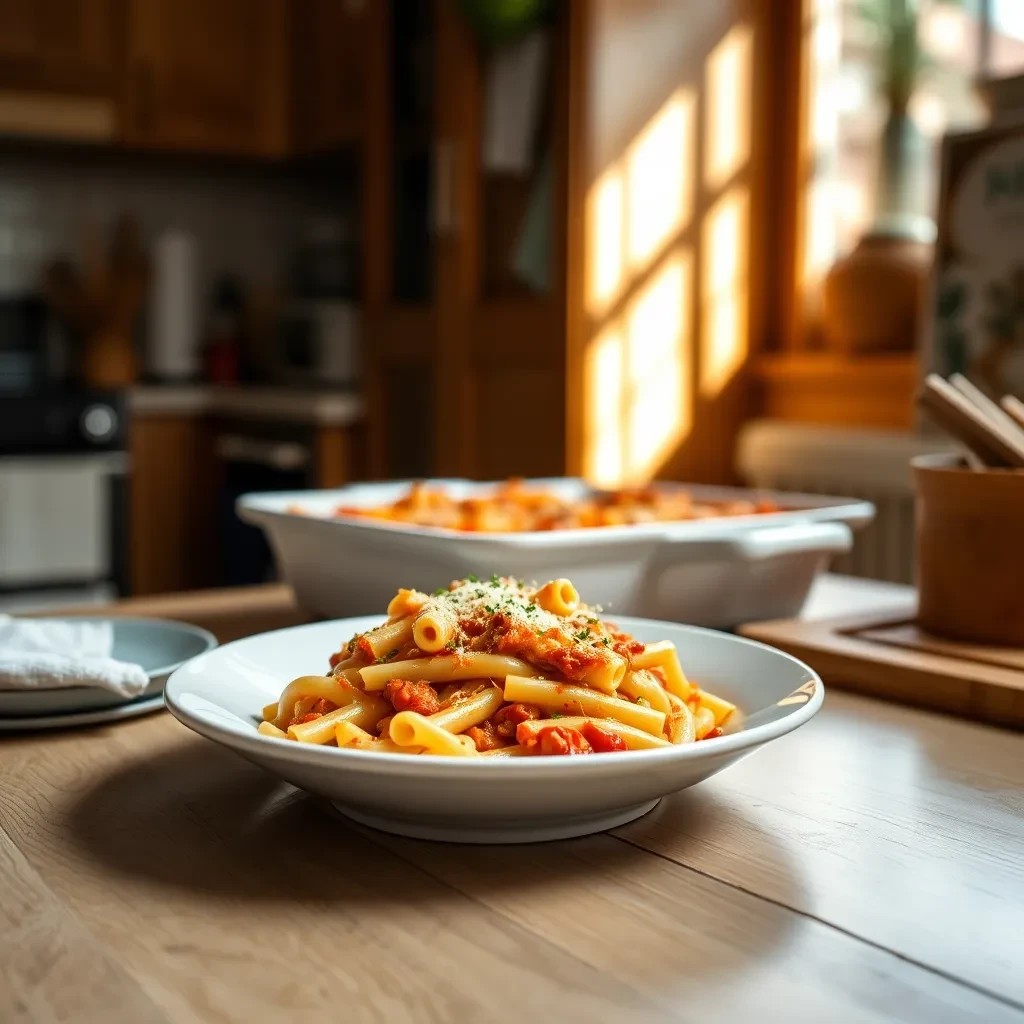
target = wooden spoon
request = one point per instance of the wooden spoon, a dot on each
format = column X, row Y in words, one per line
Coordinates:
column 1013, row 407
column 987, row 406
column 963, row 420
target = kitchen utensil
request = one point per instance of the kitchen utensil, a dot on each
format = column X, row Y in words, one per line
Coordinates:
column 1014, row 408
column 966, row 422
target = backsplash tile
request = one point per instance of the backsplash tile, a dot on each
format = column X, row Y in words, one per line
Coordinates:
column 246, row 224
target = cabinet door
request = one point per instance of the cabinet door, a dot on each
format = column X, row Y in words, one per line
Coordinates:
column 398, row 248
column 500, row 263
column 330, row 43
column 207, row 75
column 69, row 46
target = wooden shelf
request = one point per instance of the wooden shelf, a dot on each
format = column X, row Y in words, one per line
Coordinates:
column 822, row 387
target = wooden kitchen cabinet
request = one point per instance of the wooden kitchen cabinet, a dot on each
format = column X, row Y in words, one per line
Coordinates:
column 330, row 40
column 207, row 76
column 64, row 46
column 175, row 484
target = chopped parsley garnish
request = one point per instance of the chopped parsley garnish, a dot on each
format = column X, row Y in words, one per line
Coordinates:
column 472, row 579
column 606, row 641
column 557, row 714
column 593, row 622
column 583, row 634
column 495, row 580
column 440, row 591
column 452, row 645
column 531, row 609
column 387, row 657
column 489, row 608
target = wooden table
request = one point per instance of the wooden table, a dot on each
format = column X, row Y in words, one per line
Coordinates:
column 870, row 867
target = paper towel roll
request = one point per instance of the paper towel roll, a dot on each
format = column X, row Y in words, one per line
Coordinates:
column 172, row 344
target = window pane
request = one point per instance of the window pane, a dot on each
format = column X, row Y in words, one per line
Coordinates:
column 849, row 108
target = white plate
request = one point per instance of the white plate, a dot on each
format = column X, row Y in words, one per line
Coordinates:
column 220, row 695
column 69, row 720
column 716, row 572
column 158, row 645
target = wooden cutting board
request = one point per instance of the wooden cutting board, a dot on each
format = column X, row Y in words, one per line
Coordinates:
column 884, row 654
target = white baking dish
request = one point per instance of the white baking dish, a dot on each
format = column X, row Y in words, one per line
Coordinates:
column 709, row 572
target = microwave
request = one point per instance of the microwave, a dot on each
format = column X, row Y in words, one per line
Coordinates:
column 318, row 342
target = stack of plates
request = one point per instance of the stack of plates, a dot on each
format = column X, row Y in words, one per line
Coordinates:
column 158, row 646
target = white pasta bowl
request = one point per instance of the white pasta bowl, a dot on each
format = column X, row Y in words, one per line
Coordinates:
column 221, row 693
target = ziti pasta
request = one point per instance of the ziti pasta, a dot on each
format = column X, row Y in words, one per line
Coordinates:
column 497, row 668
column 515, row 506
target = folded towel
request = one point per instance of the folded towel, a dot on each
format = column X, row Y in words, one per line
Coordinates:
column 31, row 671
column 52, row 653
column 56, row 636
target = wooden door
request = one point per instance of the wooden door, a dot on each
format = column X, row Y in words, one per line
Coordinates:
column 68, row 46
column 500, row 407
column 207, row 76
column 331, row 39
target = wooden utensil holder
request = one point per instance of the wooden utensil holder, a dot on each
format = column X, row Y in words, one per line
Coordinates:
column 970, row 549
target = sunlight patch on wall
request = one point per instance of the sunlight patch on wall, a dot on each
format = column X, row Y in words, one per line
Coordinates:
column 724, row 298
column 641, row 202
column 659, row 409
column 605, row 251
column 660, row 178
column 729, row 77
column 637, row 380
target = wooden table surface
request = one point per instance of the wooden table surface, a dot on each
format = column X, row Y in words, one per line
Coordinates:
column 869, row 867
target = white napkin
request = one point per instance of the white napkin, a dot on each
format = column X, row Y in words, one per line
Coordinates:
column 52, row 653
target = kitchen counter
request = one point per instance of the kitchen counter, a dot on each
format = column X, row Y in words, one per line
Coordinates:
column 329, row 408
column 866, row 868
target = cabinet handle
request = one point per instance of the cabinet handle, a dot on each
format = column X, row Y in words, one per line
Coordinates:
column 445, row 167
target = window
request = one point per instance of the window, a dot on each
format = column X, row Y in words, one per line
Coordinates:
column 961, row 40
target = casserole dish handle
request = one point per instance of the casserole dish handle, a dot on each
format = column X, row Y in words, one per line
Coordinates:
column 760, row 543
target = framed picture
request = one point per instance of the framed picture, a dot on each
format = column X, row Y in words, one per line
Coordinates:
column 977, row 323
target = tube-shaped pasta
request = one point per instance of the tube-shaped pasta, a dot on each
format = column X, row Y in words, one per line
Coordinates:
column 663, row 655
column 579, row 699
column 703, row 722
column 469, row 710
column 635, row 739
column 269, row 729
column 411, row 729
column 607, row 675
column 558, row 597
column 406, row 602
column 363, row 712
column 718, row 706
column 349, row 736
column 337, row 691
column 434, row 627
column 444, row 669
column 270, row 712
column 642, row 683
column 389, row 637
column 679, row 725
